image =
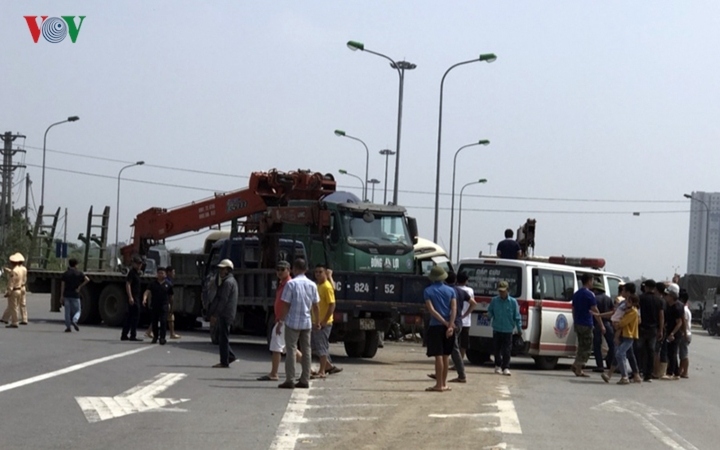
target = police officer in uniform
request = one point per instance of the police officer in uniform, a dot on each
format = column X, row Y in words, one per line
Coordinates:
column 160, row 292
column 17, row 277
column 132, row 288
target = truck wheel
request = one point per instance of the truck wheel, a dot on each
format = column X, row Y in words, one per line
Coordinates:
column 477, row 357
column 355, row 349
column 113, row 305
column 89, row 313
column 545, row 362
column 712, row 331
column 372, row 339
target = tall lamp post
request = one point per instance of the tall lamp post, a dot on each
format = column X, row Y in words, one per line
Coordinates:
column 707, row 228
column 452, row 196
column 117, row 206
column 374, row 181
column 487, row 57
column 386, row 153
column 480, row 181
column 341, row 133
column 42, row 188
column 345, row 172
column 400, row 67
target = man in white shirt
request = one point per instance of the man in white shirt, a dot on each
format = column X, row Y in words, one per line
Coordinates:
column 466, row 313
column 685, row 342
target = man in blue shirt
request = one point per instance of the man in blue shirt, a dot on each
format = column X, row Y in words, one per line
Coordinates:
column 504, row 313
column 441, row 303
column 508, row 248
column 585, row 310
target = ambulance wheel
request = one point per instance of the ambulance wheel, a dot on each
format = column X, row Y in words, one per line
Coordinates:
column 477, row 357
column 545, row 362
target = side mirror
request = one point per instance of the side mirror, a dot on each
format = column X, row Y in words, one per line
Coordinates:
column 413, row 228
column 200, row 266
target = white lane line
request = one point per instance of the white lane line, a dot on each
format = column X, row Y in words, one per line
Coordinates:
column 288, row 431
column 351, row 405
column 337, row 419
column 45, row 376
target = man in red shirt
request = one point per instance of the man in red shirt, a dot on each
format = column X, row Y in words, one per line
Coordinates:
column 277, row 335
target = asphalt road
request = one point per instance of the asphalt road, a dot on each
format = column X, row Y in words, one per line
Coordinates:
column 372, row 404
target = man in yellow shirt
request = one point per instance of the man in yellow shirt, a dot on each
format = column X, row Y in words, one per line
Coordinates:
column 17, row 277
column 321, row 333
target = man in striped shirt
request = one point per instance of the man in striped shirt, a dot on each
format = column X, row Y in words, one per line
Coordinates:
column 300, row 303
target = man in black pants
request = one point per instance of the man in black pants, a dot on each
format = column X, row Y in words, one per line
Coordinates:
column 224, row 308
column 675, row 328
column 132, row 288
column 652, row 321
column 160, row 292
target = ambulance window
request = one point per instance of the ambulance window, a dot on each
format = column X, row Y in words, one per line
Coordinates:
column 613, row 285
column 484, row 278
column 553, row 285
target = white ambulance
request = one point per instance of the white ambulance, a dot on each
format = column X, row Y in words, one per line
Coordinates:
column 543, row 288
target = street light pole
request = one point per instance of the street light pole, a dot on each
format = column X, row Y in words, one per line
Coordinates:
column 386, row 152
column 117, row 205
column 374, row 181
column 42, row 187
column 452, row 196
column 707, row 228
column 401, row 67
column 367, row 155
column 488, row 57
column 362, row 185
column 480, row 181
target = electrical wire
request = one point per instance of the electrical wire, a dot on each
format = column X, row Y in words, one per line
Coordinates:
column 556, row 211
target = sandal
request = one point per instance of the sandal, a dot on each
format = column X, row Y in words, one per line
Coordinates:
column 623, row 381
column 267, row 378
column 317, row 375
column 432, row 375
column 433, row 389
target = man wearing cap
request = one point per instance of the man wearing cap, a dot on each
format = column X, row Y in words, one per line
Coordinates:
column 585, row 311
column 300, row 304
column 17, row 277
column 605, row 307
column 504, row 313
column 134, row 296
column 277, row 335
column 441, row 303
column 224, row 308
column 675, row 328
column 160, row 292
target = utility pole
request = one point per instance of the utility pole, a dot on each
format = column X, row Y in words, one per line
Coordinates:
column 27, row 196
column 7, row 170
column 64, row 242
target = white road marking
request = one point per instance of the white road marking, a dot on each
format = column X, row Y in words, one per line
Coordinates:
column 288, row 431
column 351, row 405
column 140, row 398
column 336, row 419
column 647, row 414
column 35, row 379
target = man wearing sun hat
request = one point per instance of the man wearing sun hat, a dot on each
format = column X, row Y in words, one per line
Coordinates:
column 17, row 278
column 441, row 303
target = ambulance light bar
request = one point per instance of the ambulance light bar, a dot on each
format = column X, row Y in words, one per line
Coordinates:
column 595, row 263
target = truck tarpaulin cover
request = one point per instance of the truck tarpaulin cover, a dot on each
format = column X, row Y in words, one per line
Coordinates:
column 698, row 285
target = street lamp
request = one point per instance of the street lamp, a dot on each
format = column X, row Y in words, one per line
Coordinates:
column 42, row 188
column 341, row 133
column 117, row 206
column 386, row 152
column 374, row 181
column 487, row 57
column 480, row 181
column 707, row 228
column 452, row 196
column 401, row 67
column 345, row 172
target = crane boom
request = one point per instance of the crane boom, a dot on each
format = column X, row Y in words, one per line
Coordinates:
column 265, row 190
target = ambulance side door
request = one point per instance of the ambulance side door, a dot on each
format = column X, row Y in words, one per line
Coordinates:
column 555, row 287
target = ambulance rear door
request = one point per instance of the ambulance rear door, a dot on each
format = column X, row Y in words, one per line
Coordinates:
column 552, row 291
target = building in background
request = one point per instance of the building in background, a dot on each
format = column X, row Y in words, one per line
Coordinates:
column 704, row 235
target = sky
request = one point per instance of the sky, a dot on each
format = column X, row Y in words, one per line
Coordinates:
column 594, row 110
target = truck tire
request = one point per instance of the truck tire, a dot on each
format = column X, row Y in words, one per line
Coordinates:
column 477, row 357
column 372, row 340
column 113, row 305
column 712, row 331
column 545, row 362
column 355, row 349
column 89, row 313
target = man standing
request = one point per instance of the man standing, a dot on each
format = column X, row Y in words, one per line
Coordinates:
column 170, row 278
column 584, row 307
column 224, row 308
column 467, row 310
column 683, row 346
column 504, row 313
column 17, row 277
column 326, row 307
column 675, row 327
column 72, row 281
column 652, row 321
column 132, row 289
column 508, row 248
column 440, row 301
column 605, row 307
column 277, row 335
column 299, row 298
column 462, row 299
column 160, row 292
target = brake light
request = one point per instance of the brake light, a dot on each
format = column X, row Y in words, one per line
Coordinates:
column 340, row 317
column 524, row 310
column 411, row 320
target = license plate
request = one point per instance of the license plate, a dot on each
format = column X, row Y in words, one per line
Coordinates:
column 483, row 321
column 367, row 324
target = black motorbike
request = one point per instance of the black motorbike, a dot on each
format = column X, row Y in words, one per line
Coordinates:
column 711, row 323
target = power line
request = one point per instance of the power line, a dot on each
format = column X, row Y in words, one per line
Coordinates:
column 525, row 211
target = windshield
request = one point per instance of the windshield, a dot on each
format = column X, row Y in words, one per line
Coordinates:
column 381, row 230
column 484, row 278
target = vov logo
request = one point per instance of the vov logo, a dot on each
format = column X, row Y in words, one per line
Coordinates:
column 54, row 29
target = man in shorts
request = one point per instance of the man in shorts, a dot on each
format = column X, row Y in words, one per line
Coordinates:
column 320, row 338
column 277, row 335
column 441, row 303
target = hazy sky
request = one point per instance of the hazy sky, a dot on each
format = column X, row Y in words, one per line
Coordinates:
column 609, row 100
